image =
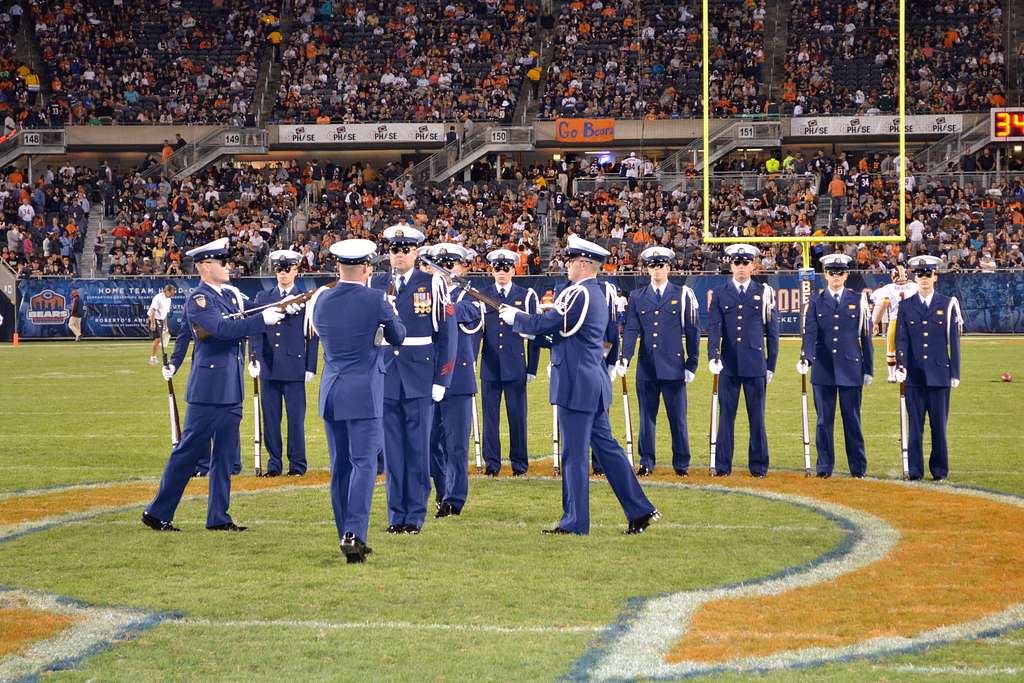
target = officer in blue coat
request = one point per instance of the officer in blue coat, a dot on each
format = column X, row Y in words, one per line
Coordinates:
column 837, row 351
column 418, row 374
column 743, row 347
column 504, row 367
column 287, row 359
column 351, row 319
column 663, row 316
column 453, row 415
column 181, row 346
column 928, row 330
column 578, row 324
column 214, row 392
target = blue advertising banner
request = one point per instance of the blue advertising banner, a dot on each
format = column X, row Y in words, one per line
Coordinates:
column 991, row 302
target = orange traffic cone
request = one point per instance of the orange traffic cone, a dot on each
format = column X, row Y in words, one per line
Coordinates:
column 16, row 339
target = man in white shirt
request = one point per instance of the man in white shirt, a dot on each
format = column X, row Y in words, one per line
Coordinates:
column 159, row 310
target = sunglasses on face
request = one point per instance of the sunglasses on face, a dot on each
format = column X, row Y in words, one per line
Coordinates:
column 657, row 265
column 741, row 262
column 400, row 250
column 835, row 273
column 283, row 268
column 502, row 269
column 924, row 273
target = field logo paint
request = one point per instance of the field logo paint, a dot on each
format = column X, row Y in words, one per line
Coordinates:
column 47, row 308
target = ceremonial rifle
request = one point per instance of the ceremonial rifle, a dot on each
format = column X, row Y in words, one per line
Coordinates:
column 904, row 430
column 172, row 401
column 257, row 437
column 463, row 283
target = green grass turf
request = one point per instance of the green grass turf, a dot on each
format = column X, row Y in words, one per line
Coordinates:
column 91, row 412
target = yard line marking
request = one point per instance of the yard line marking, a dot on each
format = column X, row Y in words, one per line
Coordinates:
column 383, row 625
column 951, row 670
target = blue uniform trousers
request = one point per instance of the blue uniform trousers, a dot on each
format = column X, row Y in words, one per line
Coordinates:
column 449, row 449
column 933, row 401
column 407, row 423
column 515, row 408
column 272, row 392
column 824, row 432
column 203, row 422
column 353, row 446
column 729, row 399
column 649, row 395
column 581, row 431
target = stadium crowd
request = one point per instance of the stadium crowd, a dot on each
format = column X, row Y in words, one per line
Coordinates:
column 19, row 85
column 400, row 61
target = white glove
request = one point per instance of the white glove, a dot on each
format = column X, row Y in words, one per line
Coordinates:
column 530, row 378
column 867, row 380
column 437, row 393
column 621, row 367
column 310, row 376
column 168, row 371
column 292, row 309
column 715, row 366
column 688, row 376
column 900, row 375
column 802, row 366
column 549, row 370
column 954, row 383
column 613, row 372
column 391, row 299
column 254, row 369
column 768, row 377
column 272, row 315
column 508, row 314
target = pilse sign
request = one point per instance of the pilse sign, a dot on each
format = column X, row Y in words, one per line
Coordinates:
column 358, row 133
column 827, row 126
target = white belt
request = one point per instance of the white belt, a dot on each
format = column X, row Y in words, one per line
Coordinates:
column 413, row 341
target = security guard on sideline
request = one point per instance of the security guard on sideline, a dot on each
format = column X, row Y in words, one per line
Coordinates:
column 928, row 330
column 418, row 374
column 578, row 323
column 504, row 368
column 287, row 361
column 662, row 316
column 742, row 327
column 214, row 393
column 453, row 415
column 838, row 353
column 347, row 318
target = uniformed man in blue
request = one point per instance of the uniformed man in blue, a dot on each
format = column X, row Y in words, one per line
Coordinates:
column 348, row 318
column 453, row 415
column 504, row 367
column 418, row 374
column 838, row 353
column 287, row 361
column 928, row 331
column 664, row 317
column 181, row 346
column 578, row 323
column 743, row 347
column 214, row 393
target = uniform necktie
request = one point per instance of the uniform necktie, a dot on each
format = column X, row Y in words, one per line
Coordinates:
column 504, row 293
column 835, row 297
column 743, row 290
column 401, row 285
column 658, row 293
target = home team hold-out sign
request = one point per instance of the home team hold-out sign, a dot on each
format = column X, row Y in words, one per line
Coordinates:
column 584, row 131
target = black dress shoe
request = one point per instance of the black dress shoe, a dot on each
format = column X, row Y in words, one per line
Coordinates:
column 491, row 472
column 682, row 473
column 824, row 475
column 598, row 472
column 157, row 525
column 938, row 479
column 519, row 474
column 643, row 471
column 395, row 529
column 230, row 526
column 555, row 531
column 762, row 475
column 200, row 474
column 857, row 476
column 640, row 524
column 354, row 549
column 918, row 477
column 722, row 474
column 446, row 510
column 411, row 529
column 293, row 473
column 271, row 474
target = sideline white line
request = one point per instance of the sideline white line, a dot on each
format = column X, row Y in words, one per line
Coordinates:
column 382, row 625
column 950, row 670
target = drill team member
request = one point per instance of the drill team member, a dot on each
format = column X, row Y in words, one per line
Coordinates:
column 453, row 415
column 663, row 316
column 743, row 327
column 578, row 324
column 214, row 393
column 418, row 374
column 928, row 332
column 287, row 361
column 838, row 353
column 504, row 368
column 887, row 301
column 347, row 318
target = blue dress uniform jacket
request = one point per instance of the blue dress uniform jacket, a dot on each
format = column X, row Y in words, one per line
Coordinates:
column 453, row 415
column 285, row 355
column 743, row 333
column 503, row 369
column 663, row 327
column 928, row 347
column 426, row 357
column 181, row 346
column 578, row 325
column 214, row 396
column 837, row 344
column 347, row 318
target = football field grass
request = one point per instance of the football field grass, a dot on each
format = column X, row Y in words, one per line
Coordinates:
column 483, row 596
